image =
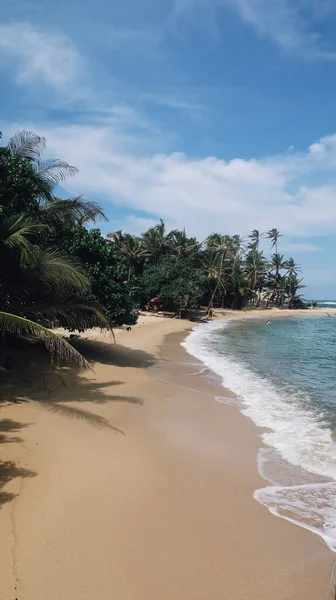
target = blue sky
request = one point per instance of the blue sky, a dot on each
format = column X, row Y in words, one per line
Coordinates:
column 216, row 115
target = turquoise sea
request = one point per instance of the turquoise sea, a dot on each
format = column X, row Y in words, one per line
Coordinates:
column 284, row 376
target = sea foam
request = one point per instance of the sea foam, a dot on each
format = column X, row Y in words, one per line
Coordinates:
column 298, row 436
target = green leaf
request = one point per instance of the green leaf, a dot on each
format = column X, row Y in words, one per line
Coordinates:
column 54, row 343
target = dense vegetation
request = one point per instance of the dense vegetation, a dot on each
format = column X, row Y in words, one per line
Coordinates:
column 55, row 270
column 224, row 271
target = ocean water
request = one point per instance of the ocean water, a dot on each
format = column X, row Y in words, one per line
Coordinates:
column 326, row 303
column 284, row 376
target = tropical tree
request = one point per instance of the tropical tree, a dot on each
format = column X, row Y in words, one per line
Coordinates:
column 277, row 264
column 178, row 284
column 255, row 271
column 48, row 174
column 108, row 274
column 292, row 270
column 224, row 248
column 44, row 279
column 155, row 243
column 293, row 284
column 77, row 210
column 274, row 235
column 181, row 246
column 255, row 238
column 39, row 287
column 131, row 249
column 213, row 275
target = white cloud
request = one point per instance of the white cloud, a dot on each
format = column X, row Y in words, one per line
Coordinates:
column 203, row 194
column 137, row 225
column 294, row 248
column 280, row 20
column 50, row 58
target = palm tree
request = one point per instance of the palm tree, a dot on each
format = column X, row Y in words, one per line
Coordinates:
column 77, row 210
column 293, row 286
column 291, row 267
column 237, row 242
column 277, row 264
column 130, row 248
column 241, row 289
column 255, row 237
column 255, row 270
column 292, row 271
column 228, row 251
column 155, row 243
column 213, row 273
column 274, row 235
column 181, row 245
column 48, row 173
column 277, row 283
column 220, row 243
column 40, row 286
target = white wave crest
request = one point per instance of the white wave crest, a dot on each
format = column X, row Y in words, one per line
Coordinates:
column 311, row 506
column 296, row 436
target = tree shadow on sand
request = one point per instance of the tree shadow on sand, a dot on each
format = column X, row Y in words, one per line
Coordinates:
column 33, row 377
column 113, row 354
column 9, row 469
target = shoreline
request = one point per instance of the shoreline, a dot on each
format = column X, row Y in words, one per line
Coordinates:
column 287, row 485
column 149, row 497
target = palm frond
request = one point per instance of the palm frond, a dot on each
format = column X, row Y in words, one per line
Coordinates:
column 54, row 343
column 13, row 232
column 60, row 273
column 26, row 144
column 72, row 313
column 54, row 171
column 77, row 209
column 13, row 228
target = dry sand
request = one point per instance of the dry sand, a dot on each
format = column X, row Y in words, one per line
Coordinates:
column 132, row 483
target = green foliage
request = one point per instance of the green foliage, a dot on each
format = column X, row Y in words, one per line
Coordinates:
column 53, row 271
column 19, row 188
column 56, row 271
column 178, row 284
column 108, row 275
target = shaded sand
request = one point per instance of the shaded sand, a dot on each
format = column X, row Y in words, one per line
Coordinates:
column 132, row 483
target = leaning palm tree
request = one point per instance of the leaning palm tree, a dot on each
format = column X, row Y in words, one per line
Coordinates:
column 274, row 235
column 255, row 238
column 39, row 287
column 11, row 324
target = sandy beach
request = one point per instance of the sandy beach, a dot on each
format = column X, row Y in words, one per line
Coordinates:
column 131, row 483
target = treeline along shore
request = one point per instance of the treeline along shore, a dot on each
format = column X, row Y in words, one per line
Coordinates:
column 58, row 269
